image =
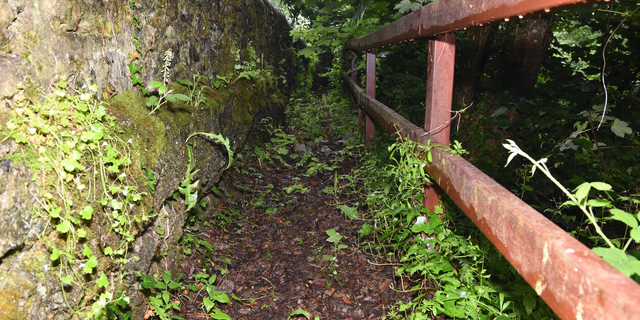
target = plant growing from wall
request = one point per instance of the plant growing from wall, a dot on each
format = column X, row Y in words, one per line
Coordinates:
column 72, row 144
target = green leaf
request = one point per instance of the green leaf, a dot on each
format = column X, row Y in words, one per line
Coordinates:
column 102, row 281
column 601, row 186
column 155, row 84
column 67, row 279
column 166, row 296
column 529, row 303
column 147, row 282
column 307, row 52
column 220, row 296
column 181, row 97
column 82, row 233
column 299, row 312
column 635, row 235
column 55, row 213
column 86, row 213
column 627, row 218
column 365, row 230
column 406, row 6
column 166, row 277
column 63, row 227
column 334, row 237
column 55, row 255
column 627, row 264
column 107, row 251
column 217, row 314
column 351, row 213
column 87, row 252
column 582, row 191
column 620, row 128
column 174, row 285
column 208, row 304
column 90, row 264
column 185, row 83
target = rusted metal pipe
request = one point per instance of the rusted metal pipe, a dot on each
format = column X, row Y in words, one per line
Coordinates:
column 445, row 16
column 574, row 281
column 442, row 59
column 369, row 131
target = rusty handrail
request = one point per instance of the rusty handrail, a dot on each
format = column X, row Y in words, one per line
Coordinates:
column 441, row 17
column 574, row 281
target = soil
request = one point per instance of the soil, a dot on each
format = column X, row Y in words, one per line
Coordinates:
column 274, row 258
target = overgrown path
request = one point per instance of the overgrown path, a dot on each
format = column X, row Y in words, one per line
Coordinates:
column 277, row 242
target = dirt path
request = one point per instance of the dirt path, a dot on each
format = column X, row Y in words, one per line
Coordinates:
column 273, row 242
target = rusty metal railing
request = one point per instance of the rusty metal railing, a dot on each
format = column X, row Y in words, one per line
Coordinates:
column 575, row 282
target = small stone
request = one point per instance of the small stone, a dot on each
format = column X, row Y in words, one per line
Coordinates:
column 325, row 149
column 300, row 148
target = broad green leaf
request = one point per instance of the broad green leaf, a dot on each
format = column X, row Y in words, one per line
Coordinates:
column 55, row 255
column 63, row 227
column 154, row 84
column 174, row 285
column 86, row 213
column 90, row 264
column 365, row 230
column 635, row 235
column 67, row 279
column 601, row 186
column 219, row 296
column 334, row 237
column 102, row 281
column 181, row 97
column 147, row 282
column 307, row 52
column 407, row 6
column 82, row 233
column 299, row 312
column 166, row 296
column 350, row 212
column 627, row 218
column 87, row 252
column 217, row 314
column 166, row 277
column 627, row 264
column 582, row 191
column 185, row 83
column 529, row 303
column 55, row 213
column 620, row 128
column 208, row 304
column 598, row 203
column 108, row 251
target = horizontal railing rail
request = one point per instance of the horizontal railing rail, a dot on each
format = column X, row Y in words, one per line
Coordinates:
column 447, row 16
column 574, row 282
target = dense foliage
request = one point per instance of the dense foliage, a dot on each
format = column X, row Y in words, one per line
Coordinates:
column 564, row 87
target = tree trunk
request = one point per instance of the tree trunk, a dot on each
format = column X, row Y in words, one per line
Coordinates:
column 529, row 49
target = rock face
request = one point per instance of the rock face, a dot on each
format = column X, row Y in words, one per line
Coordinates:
column 43, row 42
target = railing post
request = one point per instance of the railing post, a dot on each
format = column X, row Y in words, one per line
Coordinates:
column 442, row 53
column 369, row 131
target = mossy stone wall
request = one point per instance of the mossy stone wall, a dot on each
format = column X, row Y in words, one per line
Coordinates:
column 43, row 42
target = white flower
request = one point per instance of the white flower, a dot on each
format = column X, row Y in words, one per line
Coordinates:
column 104, row 143
column 130, row 141
column 32, row 130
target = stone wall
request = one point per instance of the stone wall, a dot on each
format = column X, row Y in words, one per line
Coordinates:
column 80, row 42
